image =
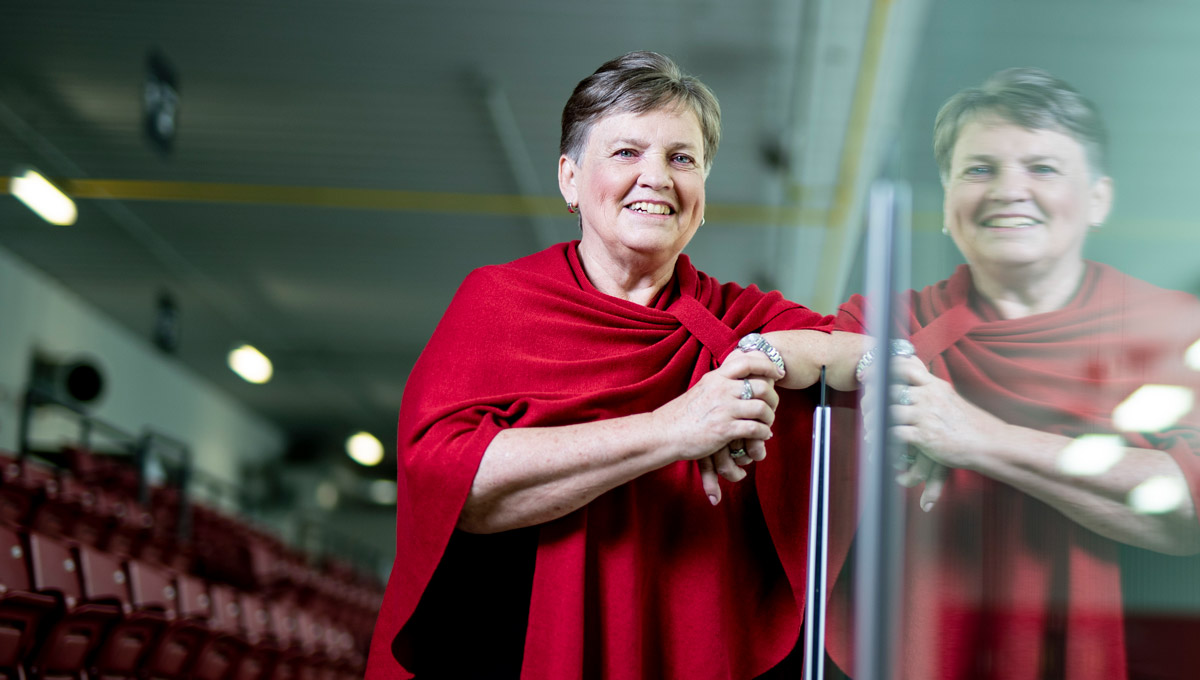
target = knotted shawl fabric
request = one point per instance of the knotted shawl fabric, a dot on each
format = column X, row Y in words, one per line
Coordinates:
column 648, row 580
column 998, row 584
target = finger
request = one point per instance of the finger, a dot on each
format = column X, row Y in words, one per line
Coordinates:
column 761, row 389
column 755, row 410
column 910, row 370
column 900, row 393
column 709, row 480
column 726, row 467
column 934, row 486
column 902, row 415
column 908, row 479
column 744, row 459
column 756, row 450
column 915, row 474
column 767, row 393
column 744, row 364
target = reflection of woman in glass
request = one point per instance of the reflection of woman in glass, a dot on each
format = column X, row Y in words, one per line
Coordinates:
column 1031, row 481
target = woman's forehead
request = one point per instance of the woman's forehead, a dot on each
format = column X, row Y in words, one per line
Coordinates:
column 1002, row 138
column 679, row 122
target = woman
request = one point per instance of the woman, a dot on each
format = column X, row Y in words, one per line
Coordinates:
column 1021, row 358
column 562, row 434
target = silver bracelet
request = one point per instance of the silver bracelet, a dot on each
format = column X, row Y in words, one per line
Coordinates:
column 754, row 341
column 897, row 348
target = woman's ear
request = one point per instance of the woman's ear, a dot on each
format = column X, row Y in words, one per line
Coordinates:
column 567, row 172
column 1101, row 201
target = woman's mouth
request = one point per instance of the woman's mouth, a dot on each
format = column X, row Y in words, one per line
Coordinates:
column 651, row 208
column 1009, row 222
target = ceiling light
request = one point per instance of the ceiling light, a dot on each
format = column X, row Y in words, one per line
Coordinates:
column 1192, row 356
column 1153, row 408
column 251, row 364
column 42, row 197
column 365, row 449
column 1091, row 455
column 383, row 491
column 1157, row 495
column 327, row 495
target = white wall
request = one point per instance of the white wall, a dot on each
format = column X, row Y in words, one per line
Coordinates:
column 143, row 387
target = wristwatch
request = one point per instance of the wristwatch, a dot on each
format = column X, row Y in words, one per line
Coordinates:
column 754, row 341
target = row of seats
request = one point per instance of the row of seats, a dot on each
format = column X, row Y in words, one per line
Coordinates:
column 96, row 585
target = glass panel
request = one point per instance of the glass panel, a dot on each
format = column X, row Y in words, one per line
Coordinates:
column 1054, row 402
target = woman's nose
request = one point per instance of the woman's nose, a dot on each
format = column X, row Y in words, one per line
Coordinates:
column 656, row 172
column 1009, row 185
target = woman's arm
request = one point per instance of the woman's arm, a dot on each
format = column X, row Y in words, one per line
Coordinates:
column 806, row 351
column 532, row 475
column 952, row 432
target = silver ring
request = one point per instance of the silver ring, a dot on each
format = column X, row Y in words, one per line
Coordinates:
column 901, row 348
column 905, row 461
column 747, row 389
column 905, row 397
column 737, row 453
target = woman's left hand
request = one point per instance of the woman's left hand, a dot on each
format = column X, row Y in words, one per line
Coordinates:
column 946, row 430
column 724, row 463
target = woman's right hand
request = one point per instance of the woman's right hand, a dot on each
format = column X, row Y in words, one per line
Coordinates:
column 704, row 421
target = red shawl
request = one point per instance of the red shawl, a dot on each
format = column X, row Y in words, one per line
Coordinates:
column 649, row 580
column 998, row 584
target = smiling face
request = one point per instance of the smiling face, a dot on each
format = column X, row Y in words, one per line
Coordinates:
column 1021, row 200
column 639, row 184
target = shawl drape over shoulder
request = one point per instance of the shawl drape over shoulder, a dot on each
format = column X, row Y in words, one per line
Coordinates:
column 996, row 583
column 648, row 580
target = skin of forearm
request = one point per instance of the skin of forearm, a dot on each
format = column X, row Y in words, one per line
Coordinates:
column 804, row 352
column 1098, row 502
column 534, row 475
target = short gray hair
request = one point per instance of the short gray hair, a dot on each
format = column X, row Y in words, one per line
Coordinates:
column 1030, row 98
column 636, row 83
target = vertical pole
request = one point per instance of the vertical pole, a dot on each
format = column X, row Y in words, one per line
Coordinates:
column 880, row 556
column 818, row 544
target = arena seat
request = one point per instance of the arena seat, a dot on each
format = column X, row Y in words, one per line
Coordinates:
column 131, row 639
column 72, row 639
column 223, row 650
column 22, row 486
column 23, row 613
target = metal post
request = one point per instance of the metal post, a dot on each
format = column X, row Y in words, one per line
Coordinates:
column 880, row 556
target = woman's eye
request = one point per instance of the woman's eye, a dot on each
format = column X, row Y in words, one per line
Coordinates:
column 978, row 171
column 627, row 153
column 684, row 159
column 1044, row 170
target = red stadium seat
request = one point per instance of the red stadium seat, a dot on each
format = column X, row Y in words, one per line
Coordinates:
column 131, row 639
column 23, row 612
column 185, row 603
column 225, row 647
column 71, row 640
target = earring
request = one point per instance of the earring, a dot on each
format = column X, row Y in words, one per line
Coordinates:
column 945, row 231
column 572, row 207
column 702, row 221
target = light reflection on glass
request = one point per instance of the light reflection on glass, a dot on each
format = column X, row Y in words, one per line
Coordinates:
column 1091, row 455
column 1153, row 408
column 1157, row 495
column 1192, row 356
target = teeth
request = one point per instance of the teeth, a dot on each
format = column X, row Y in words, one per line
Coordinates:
column 1009, row 222
column 652, row 208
